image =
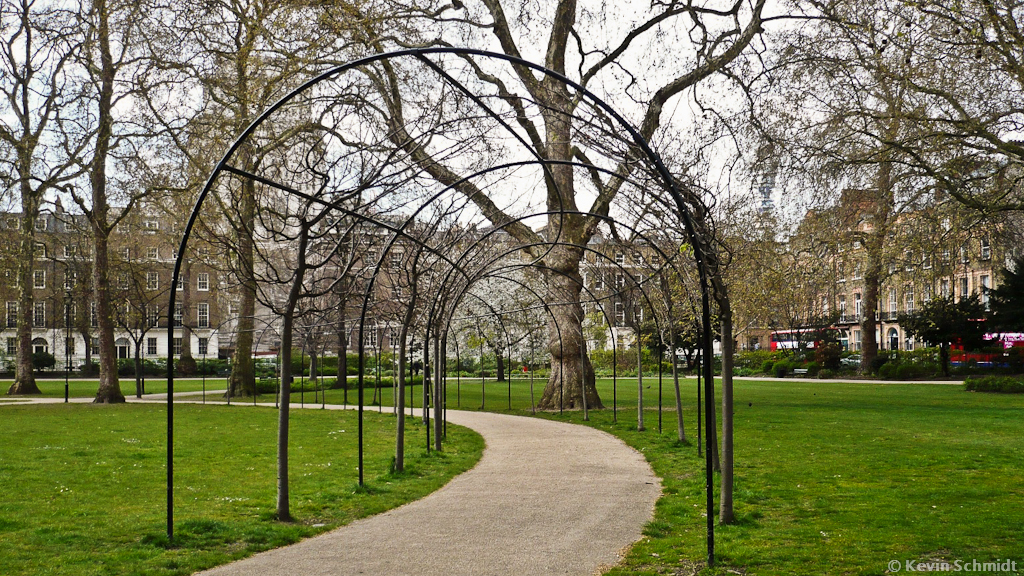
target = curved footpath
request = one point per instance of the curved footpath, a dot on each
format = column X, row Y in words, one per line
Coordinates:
column 545, row 498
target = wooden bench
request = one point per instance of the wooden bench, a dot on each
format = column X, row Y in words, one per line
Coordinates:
column 800, row 371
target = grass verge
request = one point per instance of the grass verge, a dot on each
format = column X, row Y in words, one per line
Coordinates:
column 85, row 485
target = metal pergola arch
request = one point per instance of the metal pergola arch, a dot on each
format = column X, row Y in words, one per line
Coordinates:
column 638, row 144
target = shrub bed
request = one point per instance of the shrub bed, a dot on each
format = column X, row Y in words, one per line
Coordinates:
column 1003, row 384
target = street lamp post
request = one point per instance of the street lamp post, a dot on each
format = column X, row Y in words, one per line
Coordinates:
column 67, row 343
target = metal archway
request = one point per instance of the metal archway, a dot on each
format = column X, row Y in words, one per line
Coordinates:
column 639, row 150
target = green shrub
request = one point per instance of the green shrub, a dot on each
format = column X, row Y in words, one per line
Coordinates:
column 41, row 360
column 767, row 366
column 1003, row 384
column 813, row 369
column 826, row 373
column 907, row 371
column 781, row 368
column 829, row 355
column 880, row 360
column 887, row 370
column 754, row 359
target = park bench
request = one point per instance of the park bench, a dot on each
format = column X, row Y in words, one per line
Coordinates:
column 800, row 371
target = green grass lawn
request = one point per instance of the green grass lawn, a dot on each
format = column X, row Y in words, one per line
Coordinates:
column 84, row 485
column 842, row 478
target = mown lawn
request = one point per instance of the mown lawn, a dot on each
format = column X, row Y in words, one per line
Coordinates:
column 842, row 478
column 84, row 485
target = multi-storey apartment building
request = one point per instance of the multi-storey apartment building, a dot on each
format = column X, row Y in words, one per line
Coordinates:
column 142, row 253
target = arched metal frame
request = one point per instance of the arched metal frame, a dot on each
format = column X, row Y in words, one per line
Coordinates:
column 636, row 142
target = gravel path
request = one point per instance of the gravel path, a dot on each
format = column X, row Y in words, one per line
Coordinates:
column 546, row 498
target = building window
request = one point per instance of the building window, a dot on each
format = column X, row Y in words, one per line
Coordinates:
column 154, row 316
column 177, row 347
column 151, row 225
column 127, row 254
column 986, row 249
column 396, row 260
column 203, row 315
column 983, row 280
column 620, row 258
column 910, row 299
column 371, row 338
column 39, row 278
column 95, row 346
column 69, row 346
column 39, row 315
column 153, row 253
column 70, row 251
column 598, row 284
column 233, row 310
column 123, row 281
column 964, row 256
column 204, row 346
column 963, row 287
column 926, row 262
column 893, row 304
column 203, row 281
column 40, row 346
column 177, row 314
column 620, row 314
column 620, row 281
column 152, row 280
column 857, row 307
column 944, row 288
column 856, row 271
column 151, row 349
column 945, row 255
column 12, row 314
column 70, row 314
column 842, row 308
column 70, row 279
column 12, row 346
column 41, row 224
column 181, row 283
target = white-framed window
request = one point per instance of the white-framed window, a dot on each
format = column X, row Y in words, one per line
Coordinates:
column 176, row 347
column 638, row 258
column 153, row 253
column 598, row 283
column 620, row 314
column 12, row 346
column 70, row 314
column 964, row 285
column 909, row 292
column 234, row 309
column 857, row 306
column 12, row 313
column 151, row 348
column 842, row 307
column 983, row 281
column 926, row 293
column 945, row 255
column 39, row 278
column 908, row 258
column 70, row 279
column 204, row 346
column 857, row 275
column 39, row 315
column 926, row 261
column 620, row 258
column 203, row 281
column 620, row 281
column 986, row 249
column 181, row 282
column 396, row 260
column 177, row 314
column 151, row 225
column 70, row 250
column 41, row 224
column 152, row 280
column 371, row 338
column 965, row 256
column 153, row 316
column 69, row 345
column 944, row 288
column 893, row 303
column 203, row 315
column 126, row 253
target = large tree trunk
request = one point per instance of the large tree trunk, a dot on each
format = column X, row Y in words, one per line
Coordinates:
column 24, row 379
column 881, row 212
column 109, row 391
column 343, row 352
column 725, row 510
column 566, row 385
column 243, row 376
